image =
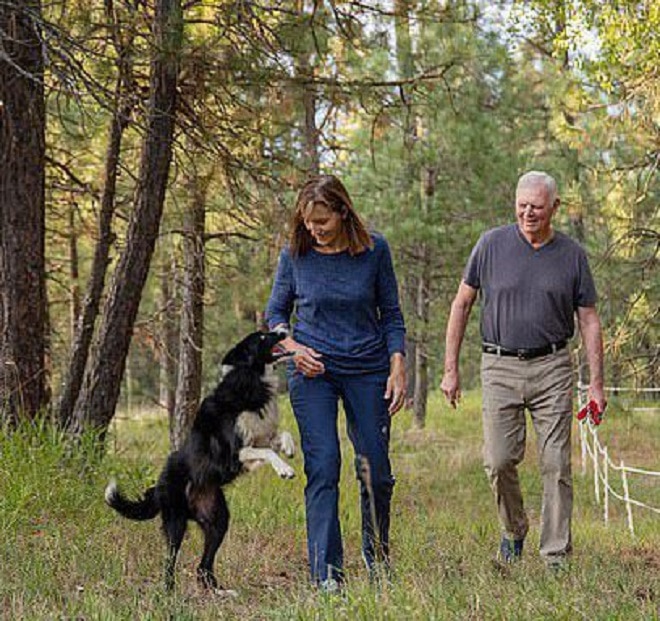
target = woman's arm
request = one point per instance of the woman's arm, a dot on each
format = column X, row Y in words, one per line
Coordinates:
column 282, row 295
column 278, row 315
column 394, row 329
column 387, row 299
column 396, row 383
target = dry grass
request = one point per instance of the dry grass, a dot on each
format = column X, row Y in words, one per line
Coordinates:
column 64, row 555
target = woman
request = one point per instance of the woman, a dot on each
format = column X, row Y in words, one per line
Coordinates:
column 349, row 344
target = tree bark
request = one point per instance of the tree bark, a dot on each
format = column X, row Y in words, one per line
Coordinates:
column 409, row 285
column 22, row 213
column 86, row 320
column 429, row 176
column 191, row 334
column 168, row 344
column 102, row 380
column 74, row 271
column 312, row 155
column 411, row 357
column 309, row 100
column 420, row 396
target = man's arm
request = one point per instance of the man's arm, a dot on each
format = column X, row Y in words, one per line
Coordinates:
column 458, row 318
column 592, row 337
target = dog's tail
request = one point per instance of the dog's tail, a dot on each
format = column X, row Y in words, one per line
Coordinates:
column 145, row 508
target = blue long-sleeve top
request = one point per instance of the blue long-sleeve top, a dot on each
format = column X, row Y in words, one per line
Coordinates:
column 346, row 307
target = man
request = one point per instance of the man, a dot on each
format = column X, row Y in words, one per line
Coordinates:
column 532, row 280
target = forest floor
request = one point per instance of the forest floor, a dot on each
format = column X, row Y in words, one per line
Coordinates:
column 65, row 555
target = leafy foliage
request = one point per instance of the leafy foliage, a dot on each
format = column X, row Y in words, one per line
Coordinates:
column 457, row 94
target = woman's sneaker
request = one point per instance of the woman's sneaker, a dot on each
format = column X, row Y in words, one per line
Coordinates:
column 330, row 586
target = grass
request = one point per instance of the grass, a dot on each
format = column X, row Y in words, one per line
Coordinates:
column 65, row 555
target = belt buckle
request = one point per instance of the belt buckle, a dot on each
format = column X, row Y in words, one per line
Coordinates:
column 523, row 354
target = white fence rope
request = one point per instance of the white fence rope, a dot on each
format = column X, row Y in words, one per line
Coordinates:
column 583, row 387
column 590, row 447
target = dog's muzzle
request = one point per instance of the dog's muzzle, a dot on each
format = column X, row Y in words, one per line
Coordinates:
column 278, row 354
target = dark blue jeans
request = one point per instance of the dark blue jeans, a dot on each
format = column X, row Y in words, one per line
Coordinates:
column 315, row 405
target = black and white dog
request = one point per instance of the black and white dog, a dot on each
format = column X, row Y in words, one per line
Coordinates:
column 214, row 453
column 260, row 430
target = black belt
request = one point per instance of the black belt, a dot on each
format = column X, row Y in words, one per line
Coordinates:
column 523, row 354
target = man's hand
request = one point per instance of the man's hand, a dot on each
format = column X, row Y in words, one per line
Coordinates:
column 396, row 383
column 451, row 387
column 458, row 317
column 597, row 394
column 592, row 337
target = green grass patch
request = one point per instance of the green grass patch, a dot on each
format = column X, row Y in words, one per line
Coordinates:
column 65, row 555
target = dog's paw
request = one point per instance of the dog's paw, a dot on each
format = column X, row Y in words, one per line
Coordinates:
column 206, row 579
column 287, row 445
column 225, row 593
column 285, row 471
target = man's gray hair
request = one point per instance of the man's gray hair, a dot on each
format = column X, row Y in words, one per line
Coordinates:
column 535, row 176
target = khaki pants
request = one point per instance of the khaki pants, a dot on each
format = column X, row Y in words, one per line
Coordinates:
column 544, row 387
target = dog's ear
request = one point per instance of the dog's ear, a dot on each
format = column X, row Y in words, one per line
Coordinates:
column 244, row 353
column 240, row 355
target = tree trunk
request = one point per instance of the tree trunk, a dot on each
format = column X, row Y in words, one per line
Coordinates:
column 428, row 180
column 22, row 212
column 420, row 396
column 312, row 156
column 404, row 55
column 191, row 335
column 84, row 331
column 5, row 389
column 411, row 357
column 168, row 345
column 305, row 72
column 411, row 284
column 102, row 380
column 86, row 320
column 74, row 273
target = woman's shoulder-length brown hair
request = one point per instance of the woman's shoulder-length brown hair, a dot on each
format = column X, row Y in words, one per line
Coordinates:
column 329, row 191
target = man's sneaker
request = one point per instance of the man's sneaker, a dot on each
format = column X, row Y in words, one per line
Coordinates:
column 511, row 549
column 557, row 564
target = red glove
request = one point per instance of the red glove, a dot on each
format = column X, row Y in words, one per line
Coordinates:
column 591, row 409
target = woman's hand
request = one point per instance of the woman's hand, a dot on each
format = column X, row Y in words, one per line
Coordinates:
column 396, row 383
column 306, row 360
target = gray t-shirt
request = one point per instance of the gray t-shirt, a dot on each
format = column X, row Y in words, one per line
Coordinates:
column 528, row 296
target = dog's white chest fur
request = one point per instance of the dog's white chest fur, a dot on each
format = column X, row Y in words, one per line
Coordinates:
column 259, row 430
